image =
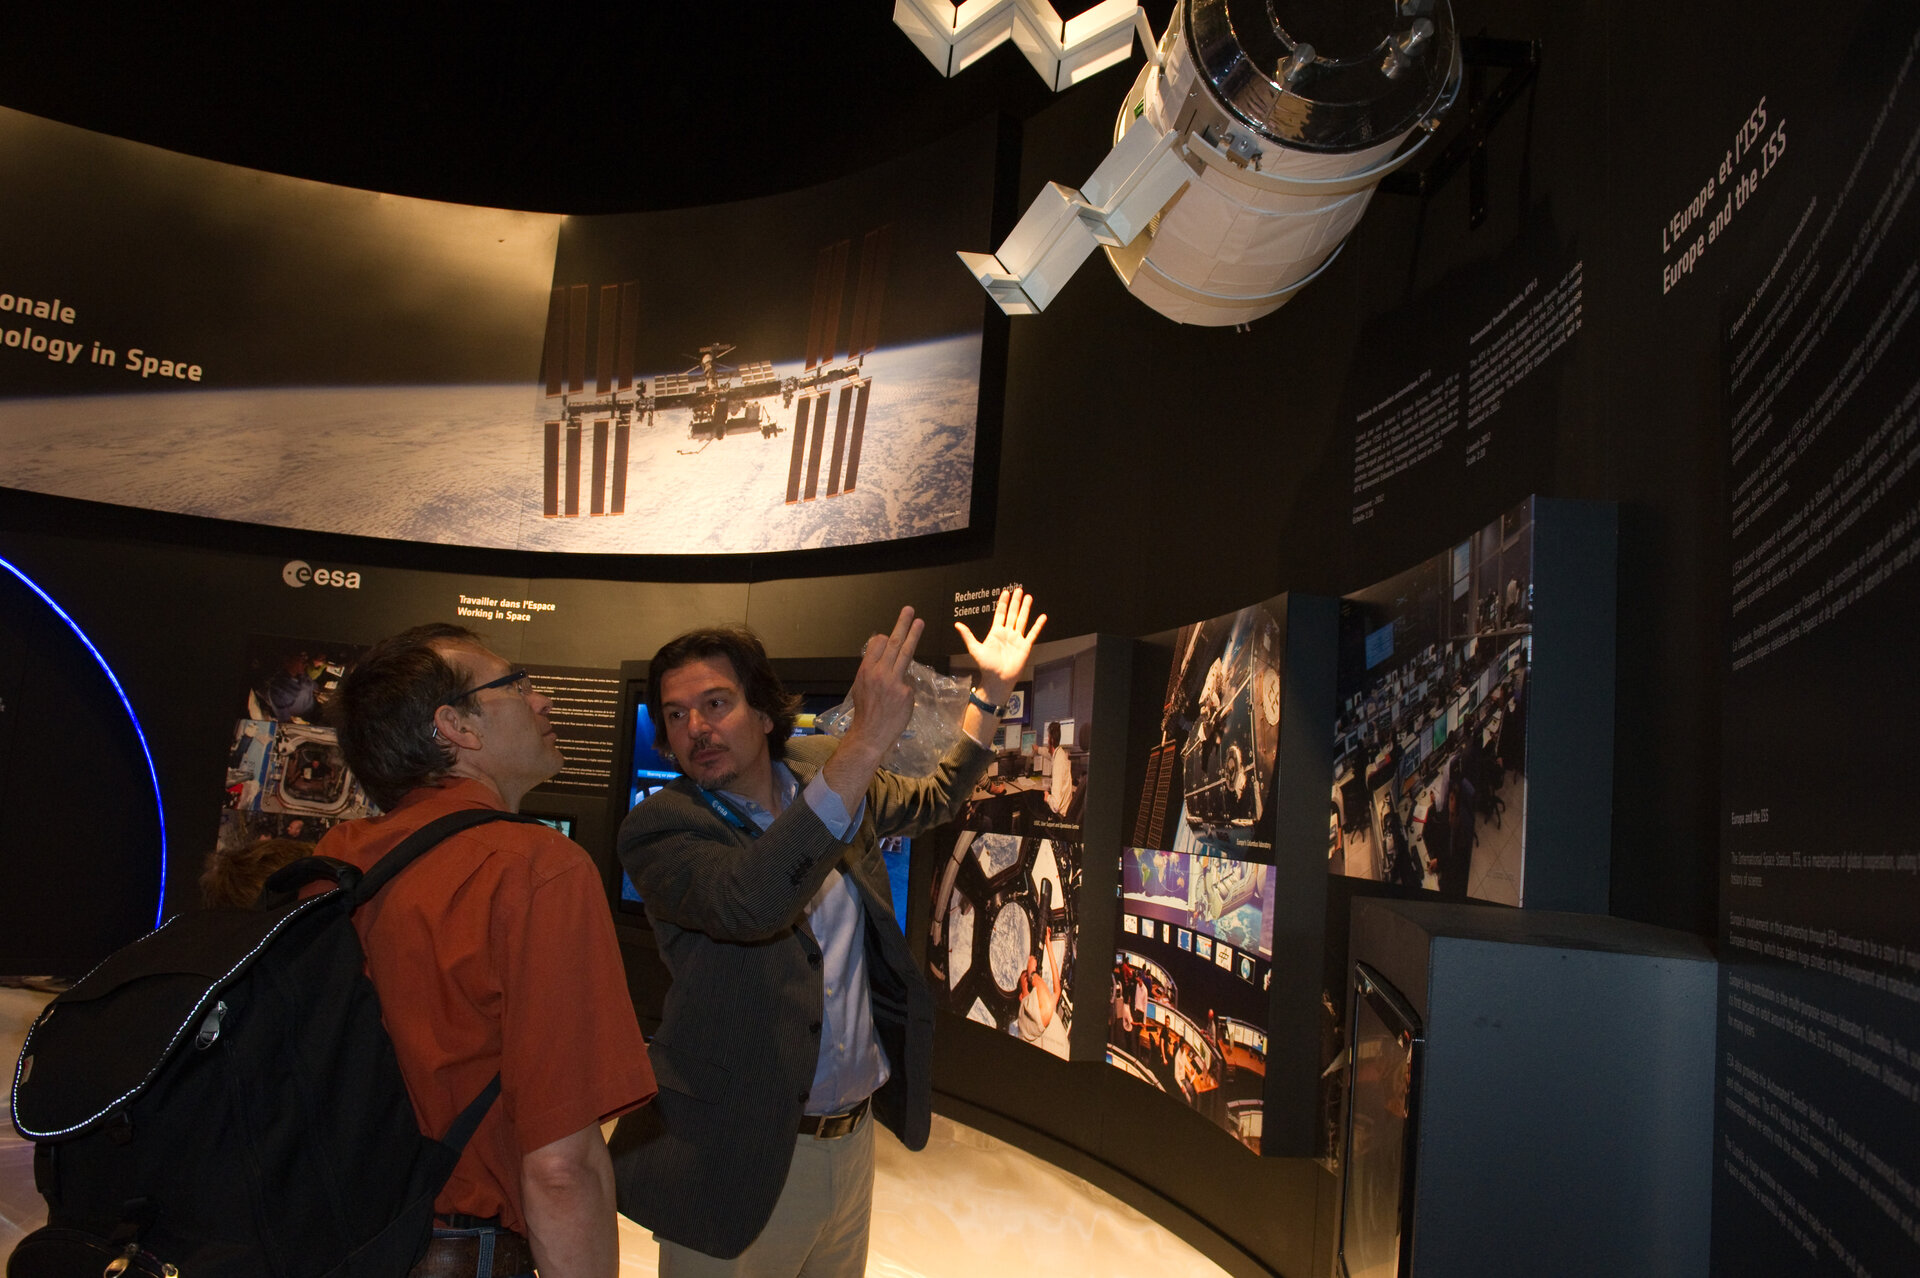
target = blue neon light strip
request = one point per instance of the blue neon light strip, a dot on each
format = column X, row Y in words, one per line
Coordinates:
column 159, row 808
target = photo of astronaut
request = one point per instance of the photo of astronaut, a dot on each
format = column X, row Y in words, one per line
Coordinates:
column 286, row 775
column 1215, row 896
column 1037, row 782
column 1210, row 775
column 1187, row 1010
column 1002, row 940
column 1430, row 785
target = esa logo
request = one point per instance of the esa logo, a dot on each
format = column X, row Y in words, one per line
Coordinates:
column 297, row 572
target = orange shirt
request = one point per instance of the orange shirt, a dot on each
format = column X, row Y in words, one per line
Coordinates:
column 496, row 951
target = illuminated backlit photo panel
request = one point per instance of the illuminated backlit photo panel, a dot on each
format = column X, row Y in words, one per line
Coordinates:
column 286, row 775
column 1003, row 935
column 1037, row 782
column 1430, row 783
column 1187, row 1007
column 1212, row 764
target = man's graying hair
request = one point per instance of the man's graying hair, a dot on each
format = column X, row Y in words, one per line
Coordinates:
column 384, row 711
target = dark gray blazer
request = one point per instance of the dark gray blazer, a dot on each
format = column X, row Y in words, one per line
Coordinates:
column 739, row 1038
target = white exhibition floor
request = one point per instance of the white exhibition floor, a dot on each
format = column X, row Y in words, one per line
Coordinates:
column 967, row 1205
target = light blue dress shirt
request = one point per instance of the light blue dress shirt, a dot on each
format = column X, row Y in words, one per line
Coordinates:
column 852, row 1064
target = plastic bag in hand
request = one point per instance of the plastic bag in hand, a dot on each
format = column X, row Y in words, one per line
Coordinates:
column 939, row 704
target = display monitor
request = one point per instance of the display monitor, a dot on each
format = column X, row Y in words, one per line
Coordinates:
column 1379, row 645
column 1383, row 1107
column 564, row 824
column 651, row 766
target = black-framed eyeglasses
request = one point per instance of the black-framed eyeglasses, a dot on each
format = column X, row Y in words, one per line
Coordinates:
column 518, row 680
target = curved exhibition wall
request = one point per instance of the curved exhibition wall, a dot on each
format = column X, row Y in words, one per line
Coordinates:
column 1679, row 308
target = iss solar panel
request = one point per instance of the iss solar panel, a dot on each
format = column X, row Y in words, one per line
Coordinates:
column 813, row 449
column 1140, row 819
column 573, row 470
column 597, row 500
column 822, row 273
column 609, row 336
column 839, row 441
column 836, row 293
column 799, row 449
column 629, row 334
column 550, row 502
column 758, row 373
column 672, row 386
column 618, row 504
column 577, row 338
column 556, row 342
column 859, row 434
column 870, row 294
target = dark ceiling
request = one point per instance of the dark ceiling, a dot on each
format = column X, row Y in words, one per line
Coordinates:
column 591, row 109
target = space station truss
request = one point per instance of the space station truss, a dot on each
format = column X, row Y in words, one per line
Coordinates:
column 588, row 427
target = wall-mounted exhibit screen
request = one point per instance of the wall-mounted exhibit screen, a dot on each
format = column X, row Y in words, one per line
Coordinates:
column 1430, row 783
column 1211, row 766
column 1188, row 1005
column 1376, row 1201
column 798, row 371
column 585, row 714
column 650, row 768
column 286, row 776
column 1037, row 782
column 1003, row 935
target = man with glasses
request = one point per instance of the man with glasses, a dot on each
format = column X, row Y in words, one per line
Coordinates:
column 493, row 953
column 796, row 1016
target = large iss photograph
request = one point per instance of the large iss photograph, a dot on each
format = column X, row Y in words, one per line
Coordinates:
column 786, row 373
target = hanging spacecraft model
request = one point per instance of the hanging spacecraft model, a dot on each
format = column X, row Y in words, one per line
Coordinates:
column 1243, row 155
column 587, row 432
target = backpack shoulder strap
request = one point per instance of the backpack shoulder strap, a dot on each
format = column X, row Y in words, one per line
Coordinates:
column 461, row 1130
column 427, row 836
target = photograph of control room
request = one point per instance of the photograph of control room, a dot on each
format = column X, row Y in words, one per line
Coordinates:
column 1037, row 783
column 1187, row 1007
column 1430, row 788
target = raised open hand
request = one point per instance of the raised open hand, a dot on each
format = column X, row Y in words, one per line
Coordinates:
column 1002, row 654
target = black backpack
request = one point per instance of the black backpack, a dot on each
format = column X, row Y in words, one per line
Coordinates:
column 220, row 1098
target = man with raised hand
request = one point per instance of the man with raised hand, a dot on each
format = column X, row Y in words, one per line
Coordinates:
column 796, row 1014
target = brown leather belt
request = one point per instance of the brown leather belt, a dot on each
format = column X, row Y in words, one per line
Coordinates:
column 459, row 1257
column 833, row 1126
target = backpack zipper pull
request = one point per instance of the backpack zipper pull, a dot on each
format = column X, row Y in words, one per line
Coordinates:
column 210, row 1028
column 119, row 1264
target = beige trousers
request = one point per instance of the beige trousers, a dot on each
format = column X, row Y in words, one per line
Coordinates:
column 819, row 1225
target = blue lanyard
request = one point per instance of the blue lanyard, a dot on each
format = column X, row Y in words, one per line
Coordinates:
column 728, row 813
